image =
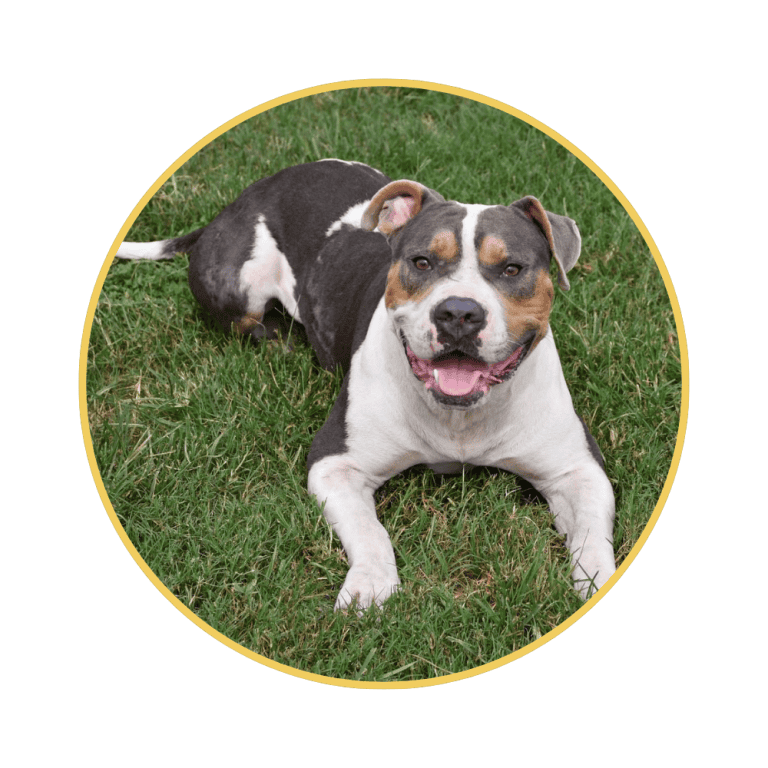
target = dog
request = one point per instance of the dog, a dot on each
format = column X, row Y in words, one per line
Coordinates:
column 438, row 313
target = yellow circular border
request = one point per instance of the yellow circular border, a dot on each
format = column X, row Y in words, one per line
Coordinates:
column 397, row 84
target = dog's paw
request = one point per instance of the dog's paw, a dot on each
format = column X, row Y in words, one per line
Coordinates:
column 365, row 587
column 591, row 572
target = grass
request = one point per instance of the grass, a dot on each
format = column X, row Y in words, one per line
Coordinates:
column 201, row 438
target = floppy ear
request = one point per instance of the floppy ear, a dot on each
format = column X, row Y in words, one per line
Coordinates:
column 562, row 235
column 393, row 206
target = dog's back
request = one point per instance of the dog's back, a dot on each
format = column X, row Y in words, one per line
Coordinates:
column 257, row 251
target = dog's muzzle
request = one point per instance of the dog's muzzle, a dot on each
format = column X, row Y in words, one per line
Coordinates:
column 459, row 380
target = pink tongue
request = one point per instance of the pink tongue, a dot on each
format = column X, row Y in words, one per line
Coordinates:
column 458, row 377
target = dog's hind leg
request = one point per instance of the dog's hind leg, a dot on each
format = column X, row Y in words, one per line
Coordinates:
column 240, row 281
column 270, row 324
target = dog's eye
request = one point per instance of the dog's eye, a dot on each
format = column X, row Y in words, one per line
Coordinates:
column 511, row 270
column 421, row 263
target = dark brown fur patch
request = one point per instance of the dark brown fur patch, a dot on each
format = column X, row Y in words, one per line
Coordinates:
column 492, row 251
column 531, row 313
column 247, row 322
column 444, row 245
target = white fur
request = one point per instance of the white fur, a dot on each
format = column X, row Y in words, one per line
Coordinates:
column 267, row 274
column 346, row 162
column 526, row 425
column 351, row 217
column 153, row 251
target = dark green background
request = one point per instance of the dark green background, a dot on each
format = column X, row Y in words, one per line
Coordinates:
column 100, row 670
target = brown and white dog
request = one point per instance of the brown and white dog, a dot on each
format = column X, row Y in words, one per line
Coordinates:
column 438, row 313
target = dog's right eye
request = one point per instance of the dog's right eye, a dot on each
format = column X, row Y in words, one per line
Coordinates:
column 422, row 264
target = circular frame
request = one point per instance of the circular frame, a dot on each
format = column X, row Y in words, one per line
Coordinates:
column 683, row 403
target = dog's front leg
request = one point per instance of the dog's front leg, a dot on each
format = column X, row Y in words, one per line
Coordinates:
column 583, row 507
column 345, row 493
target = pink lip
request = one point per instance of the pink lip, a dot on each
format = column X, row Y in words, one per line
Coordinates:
column 461, row 376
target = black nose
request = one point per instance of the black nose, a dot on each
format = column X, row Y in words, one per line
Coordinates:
column 459, row 317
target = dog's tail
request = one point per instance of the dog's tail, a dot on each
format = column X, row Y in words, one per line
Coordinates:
column 159, row 249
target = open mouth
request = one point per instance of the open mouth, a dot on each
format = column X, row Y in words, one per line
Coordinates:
column 460, row 380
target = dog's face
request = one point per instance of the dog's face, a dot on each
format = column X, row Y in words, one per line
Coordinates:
column 469, row 291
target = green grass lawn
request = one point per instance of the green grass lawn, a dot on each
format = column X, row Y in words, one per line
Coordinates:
column 201, row 438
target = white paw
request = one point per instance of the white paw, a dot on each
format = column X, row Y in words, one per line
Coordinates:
column 365, row 586
column 591, row 571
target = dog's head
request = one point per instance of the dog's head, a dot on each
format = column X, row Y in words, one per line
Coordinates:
column 469, row 289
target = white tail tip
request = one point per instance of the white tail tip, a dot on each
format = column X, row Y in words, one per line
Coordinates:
column 154, row 251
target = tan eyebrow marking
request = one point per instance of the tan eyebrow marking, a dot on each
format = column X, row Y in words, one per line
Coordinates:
column 444, row 245
column 493, row 250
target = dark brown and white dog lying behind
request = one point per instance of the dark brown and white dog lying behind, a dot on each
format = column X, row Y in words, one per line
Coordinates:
column 438, row 313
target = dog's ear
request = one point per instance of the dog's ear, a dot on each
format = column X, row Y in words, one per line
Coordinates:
column 393, row 206
column 561, row 232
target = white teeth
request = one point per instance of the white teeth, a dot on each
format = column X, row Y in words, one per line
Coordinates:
column 434, row 373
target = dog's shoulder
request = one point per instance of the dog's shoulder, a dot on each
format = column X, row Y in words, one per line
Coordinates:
column 341, row 289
